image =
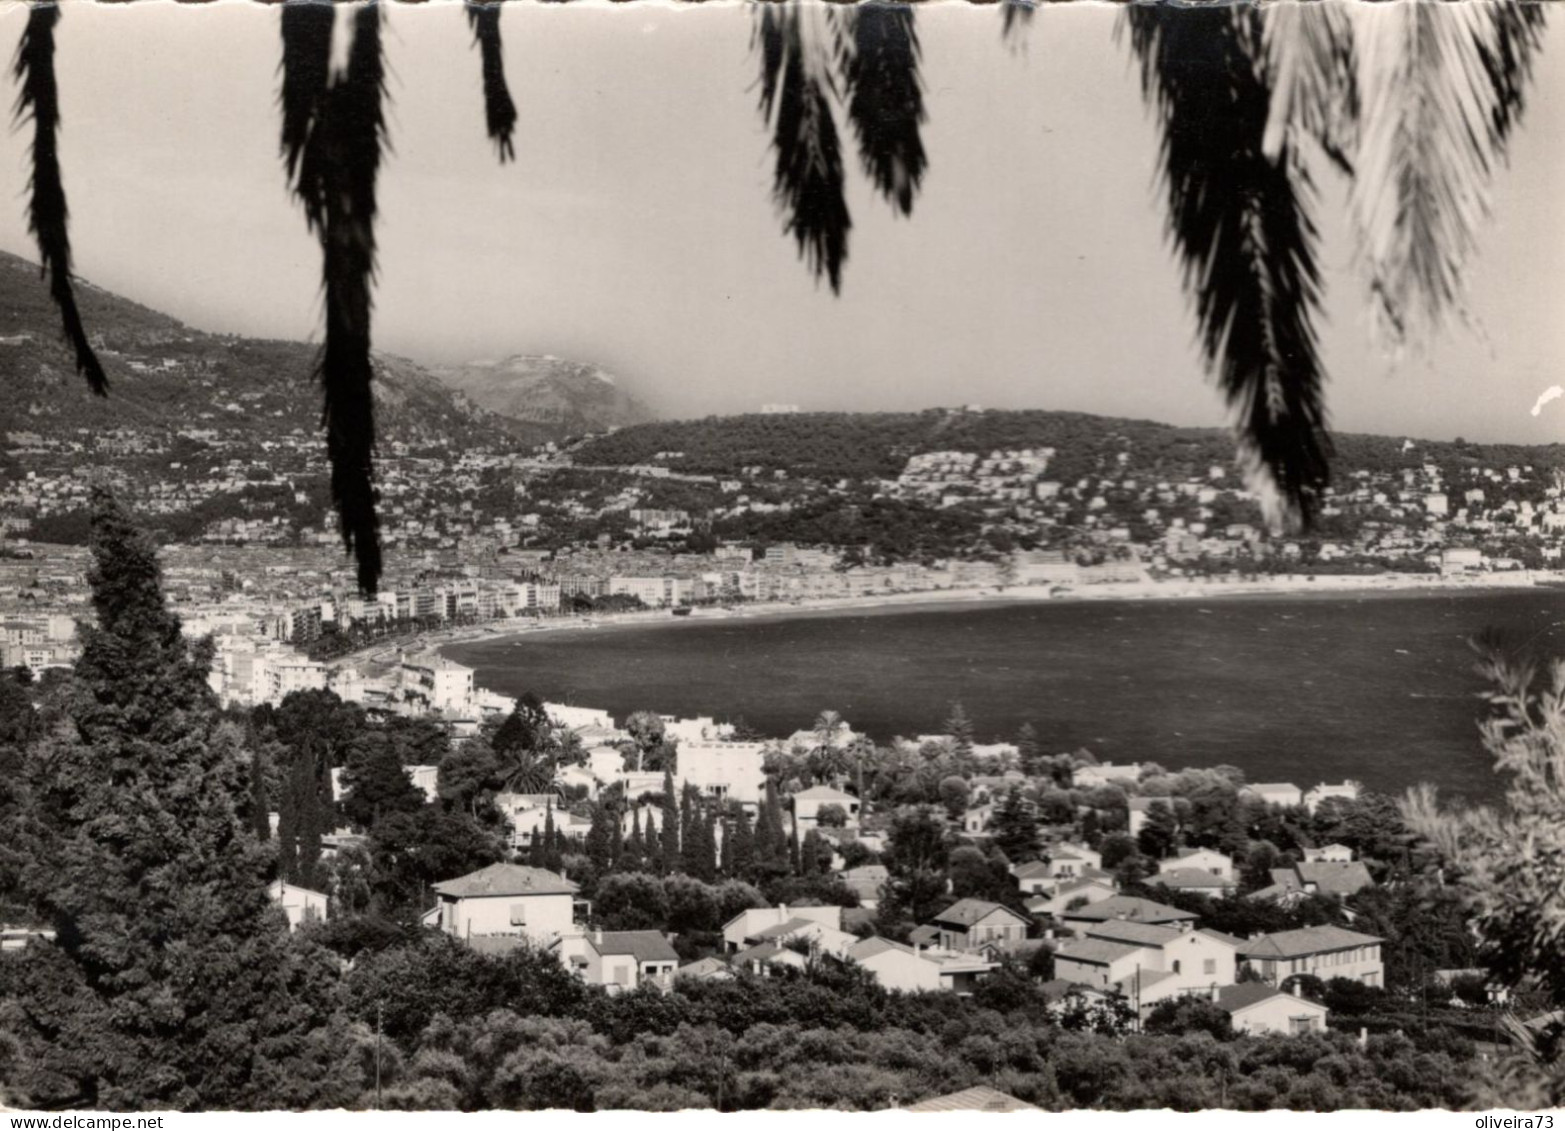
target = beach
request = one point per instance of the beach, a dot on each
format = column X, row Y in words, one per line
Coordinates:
column 1284, row 585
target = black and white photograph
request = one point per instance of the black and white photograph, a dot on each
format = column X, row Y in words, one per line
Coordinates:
column 782, row 555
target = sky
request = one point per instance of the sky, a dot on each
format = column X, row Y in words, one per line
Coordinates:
column 636, row 228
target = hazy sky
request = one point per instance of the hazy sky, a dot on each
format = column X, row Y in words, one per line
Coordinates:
column 636, row 227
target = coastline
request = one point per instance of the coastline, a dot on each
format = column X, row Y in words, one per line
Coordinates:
column 1285, row 586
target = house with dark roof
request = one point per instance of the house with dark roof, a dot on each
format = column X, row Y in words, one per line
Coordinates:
column 1147, row 962
column 1323, row 952
column 1317, row 877
column 623, row 960
column 969, row 923
column 507, row 899
column 1254, row 1007
column 1128, row 907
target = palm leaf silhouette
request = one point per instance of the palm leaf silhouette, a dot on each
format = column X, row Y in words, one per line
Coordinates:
column 1314, row 85
column 1442, row 87
column 796, row 87
column 499, row 110
column 1016, row 15
column 47, row 213
column 306, row 69
column 338, row 161
column 1239, row 224
column 885, row 98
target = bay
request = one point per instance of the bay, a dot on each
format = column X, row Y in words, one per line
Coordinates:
column 1378, row 688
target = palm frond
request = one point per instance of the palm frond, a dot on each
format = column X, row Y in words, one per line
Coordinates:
column 885, row 98
column 499, row 110
column 1443, row 85
column 338, row 164
column 1240, row 226
column 1015, row 16
column 1310, row 64
column 47, row 213
column 306, row 70
column 769, row 37
column 808, row 175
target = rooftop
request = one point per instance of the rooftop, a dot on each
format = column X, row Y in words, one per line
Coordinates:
column 966, row 912
column 1189, row 878
column 1139, row 934
column 1308, row 940
column 1099, row 952
column 823, row 793
column 644, row 946
column 980, row 1098
column 1245, row 994
column 506, row 879
column 1133, row 908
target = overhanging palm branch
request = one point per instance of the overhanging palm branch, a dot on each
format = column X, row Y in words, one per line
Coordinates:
column 47, row 213
column 1314, row 85
column 796, row 88
column 1015, row 15
column 885, row 97
column 338, row 161
column 1241, row 229
column 1443, row 85
column 499, row 110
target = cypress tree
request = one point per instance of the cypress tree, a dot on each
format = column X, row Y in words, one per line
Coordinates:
column 633, row 858
column 260, row 819
column 794, row 857
column 616, row 839
column 742, row 856
column 668, row 861
column 600, row 840
column 171, row 983
column 1027, row 748
column 689, row 839
column 543, row 845
column 771, row 841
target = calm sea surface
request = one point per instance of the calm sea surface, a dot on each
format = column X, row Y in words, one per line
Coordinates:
column 1377, row 688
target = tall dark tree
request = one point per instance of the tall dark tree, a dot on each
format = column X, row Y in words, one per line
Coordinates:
column 1027, row 749
column 375, row 783
column 600, row 839
column 742, row 834
column 1158, row 834
column 260, row 797
column 1016, row 827
column 171, row 983
column 668, row 844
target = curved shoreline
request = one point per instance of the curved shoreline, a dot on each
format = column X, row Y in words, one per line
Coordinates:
column 1289, row 587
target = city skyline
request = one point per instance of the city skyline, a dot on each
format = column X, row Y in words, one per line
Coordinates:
column 1005, row 270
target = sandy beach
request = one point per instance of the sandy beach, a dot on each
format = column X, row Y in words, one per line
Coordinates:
column 1286, row 585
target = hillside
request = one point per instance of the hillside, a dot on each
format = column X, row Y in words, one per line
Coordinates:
column 166, row 377
column 531, row 390
column 836, row 445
